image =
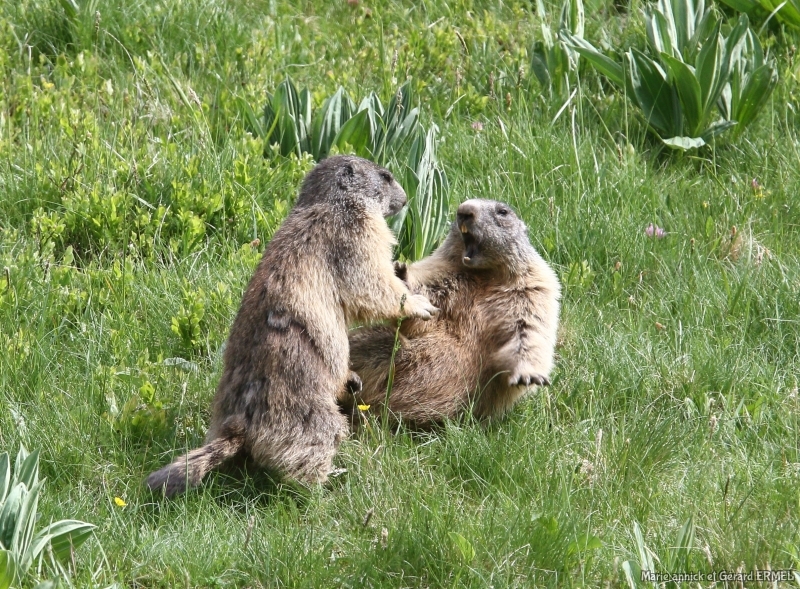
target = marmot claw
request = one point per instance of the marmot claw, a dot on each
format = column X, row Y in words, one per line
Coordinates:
column 354, row 384
column 527, row 380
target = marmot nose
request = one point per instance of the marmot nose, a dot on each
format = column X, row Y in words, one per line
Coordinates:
column 465, row 215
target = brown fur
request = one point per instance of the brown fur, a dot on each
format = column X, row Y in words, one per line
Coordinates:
column 494, row 337
column 327, row 266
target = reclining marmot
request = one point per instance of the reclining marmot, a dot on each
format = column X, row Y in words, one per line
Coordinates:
column 493, row 338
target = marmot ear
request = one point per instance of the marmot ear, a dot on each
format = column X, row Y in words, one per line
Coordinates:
column 344, row 175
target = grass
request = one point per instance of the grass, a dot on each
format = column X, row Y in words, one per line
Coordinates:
column 131, row 193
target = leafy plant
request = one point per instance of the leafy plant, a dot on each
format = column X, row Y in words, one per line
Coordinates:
column 424, row 220
column 375, row 133
column 189, row 323
column 553, row 61
column 579, row 275
column 696, row 83
column 677, row 560
column 372, row 131
column 20, row 545
column 787, row 11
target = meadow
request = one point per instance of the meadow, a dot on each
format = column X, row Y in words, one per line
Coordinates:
column 136, row 198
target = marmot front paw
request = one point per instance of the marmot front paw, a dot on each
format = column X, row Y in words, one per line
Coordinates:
column 354, row 384
column 401, row 270
column 419, row 307
column 525, row 380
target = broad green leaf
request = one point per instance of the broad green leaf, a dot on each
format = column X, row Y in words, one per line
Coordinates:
column 286, row 106
column 584, row 544
column 540, row 9
column 685, row 17
column 755, row 94
column 645, row 555
column 27, row 470
column 665, row 9
column 725, row 103
column 372, row 101
column 421, row 224
column 539, row 65
column 633, row 573
column 702, row 32
column 737, row 40
column 358, row 133
column 9, row 514
column 740, row 53
column 270, row 122
column 400, row 119
column 304, row 121
column 742, row 5
column 709, row 226
column 8, row 568
column 688, row 88
column 602, row 63
column 684, row 143
column 399, row 105
column 400, row 133
column 715, row 129
column 71, row 8
column 464, row 547
column 659, row 34
column 328, row 120
column 654, row 95
column 251, row 120
column 5, row 475
column 560, row 68
column 26, row 520
column 63, row 536
column 711, row 70
column 374, row 108
column 572, row 17
column 788, row 11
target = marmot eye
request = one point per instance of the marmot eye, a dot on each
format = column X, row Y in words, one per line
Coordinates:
column 387, row 177
column 502, row 212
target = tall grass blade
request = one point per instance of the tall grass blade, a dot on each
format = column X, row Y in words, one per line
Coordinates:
column 683, row 546
column 5, row 475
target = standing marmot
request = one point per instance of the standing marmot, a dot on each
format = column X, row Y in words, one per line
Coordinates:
column 495, row 334
column 329, row 264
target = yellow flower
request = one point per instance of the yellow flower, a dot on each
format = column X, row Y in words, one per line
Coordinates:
column 119, row 502
column 363, row 407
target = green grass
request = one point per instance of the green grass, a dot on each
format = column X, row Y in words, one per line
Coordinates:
column 675, row 393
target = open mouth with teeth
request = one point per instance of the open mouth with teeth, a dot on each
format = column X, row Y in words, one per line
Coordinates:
column 471, row 250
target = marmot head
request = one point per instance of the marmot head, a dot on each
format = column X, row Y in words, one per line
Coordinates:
column 352, row 181
column 492, row 235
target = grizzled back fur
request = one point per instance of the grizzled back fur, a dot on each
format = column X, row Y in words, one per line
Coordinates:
column 328, row 265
